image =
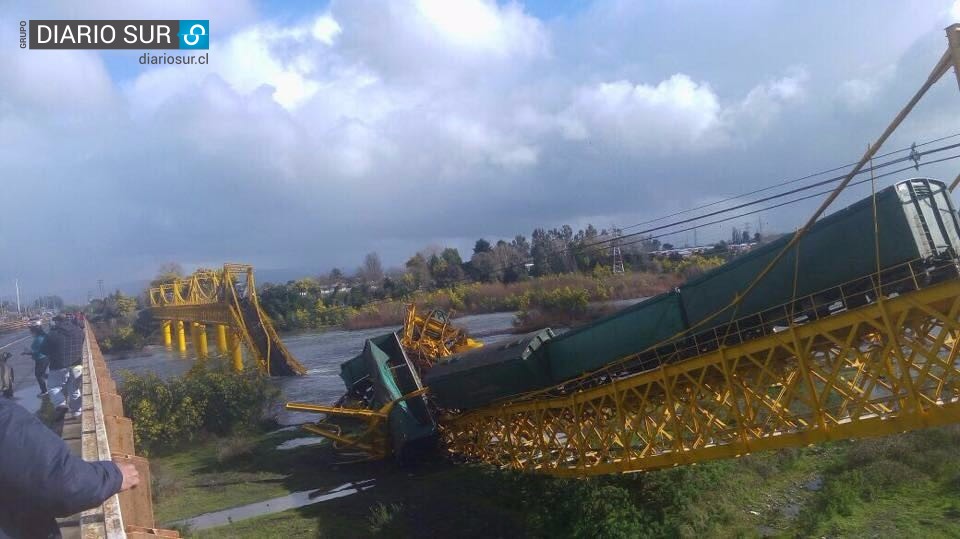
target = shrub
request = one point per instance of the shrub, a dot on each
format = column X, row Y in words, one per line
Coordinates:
column 207, row 399
column 235, row 446
column 381, row 515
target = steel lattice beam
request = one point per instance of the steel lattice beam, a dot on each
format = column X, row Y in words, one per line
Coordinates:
column 884, row 368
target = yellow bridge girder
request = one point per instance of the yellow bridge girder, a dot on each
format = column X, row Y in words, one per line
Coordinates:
column 884, row 368
column 224, row 299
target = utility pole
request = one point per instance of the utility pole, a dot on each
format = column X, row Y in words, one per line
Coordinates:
column 617, row 255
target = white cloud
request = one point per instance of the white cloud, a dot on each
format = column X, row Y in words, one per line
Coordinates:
column 677, row 115
column 319, row 131
column 765, row 103
column 859, row 93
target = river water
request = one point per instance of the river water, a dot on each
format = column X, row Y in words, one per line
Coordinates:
column 320, row 352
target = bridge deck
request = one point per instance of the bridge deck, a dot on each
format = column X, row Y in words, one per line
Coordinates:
column 103, row 433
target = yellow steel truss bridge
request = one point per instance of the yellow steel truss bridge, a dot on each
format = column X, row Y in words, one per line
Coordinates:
column 227, row 300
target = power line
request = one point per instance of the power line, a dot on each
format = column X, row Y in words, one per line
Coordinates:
column 913, row 157
column 787, row 182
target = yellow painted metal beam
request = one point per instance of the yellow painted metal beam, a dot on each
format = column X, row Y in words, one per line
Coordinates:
column 888, row 367
column 181, row 337
column 167, row 334
column 222, row 347
column 202, row 350
column 236, row 354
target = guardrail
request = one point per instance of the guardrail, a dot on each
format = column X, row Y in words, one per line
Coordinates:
column 13, row 325
column 108, row 434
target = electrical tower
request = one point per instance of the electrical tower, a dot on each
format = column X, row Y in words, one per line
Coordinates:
column 617, row 255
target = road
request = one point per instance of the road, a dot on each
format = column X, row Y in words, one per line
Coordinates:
column 25, row 384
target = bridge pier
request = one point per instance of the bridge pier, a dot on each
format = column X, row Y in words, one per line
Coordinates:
column 222, row 339
column 181, row 338
column 167, row 334
column 202, row 351
column 235, row 352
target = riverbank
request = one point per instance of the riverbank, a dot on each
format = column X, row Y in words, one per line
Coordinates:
column 896, row 486
column 560, row 299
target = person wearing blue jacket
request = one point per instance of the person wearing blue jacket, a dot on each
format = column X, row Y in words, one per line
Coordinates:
column 41, row 480
column 41, row 361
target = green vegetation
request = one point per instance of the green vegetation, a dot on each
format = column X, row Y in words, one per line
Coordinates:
column 118, row 322
column 210, row 399
column 904, row 485
column 564, row 271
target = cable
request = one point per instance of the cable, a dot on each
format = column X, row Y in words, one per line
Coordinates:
column 779, row 195
column 788, row 182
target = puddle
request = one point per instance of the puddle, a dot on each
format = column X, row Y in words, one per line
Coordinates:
column 301, row 442
column 275, row 505
column 791, row 510
column 814, row 484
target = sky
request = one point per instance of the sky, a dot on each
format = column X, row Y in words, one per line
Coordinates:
column 323, row 131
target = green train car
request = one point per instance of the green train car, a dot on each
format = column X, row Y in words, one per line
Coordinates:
column 916, row 221
column 917, row 224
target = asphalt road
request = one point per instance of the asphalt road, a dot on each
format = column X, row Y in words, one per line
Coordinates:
column 25, row 386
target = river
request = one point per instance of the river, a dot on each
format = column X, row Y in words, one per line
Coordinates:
column 321, row 352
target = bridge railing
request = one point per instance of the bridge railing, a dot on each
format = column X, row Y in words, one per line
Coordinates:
column 108, row 434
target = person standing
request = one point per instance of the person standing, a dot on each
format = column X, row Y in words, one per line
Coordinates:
column 41, row 480
column 41, row 362
column 64, row 347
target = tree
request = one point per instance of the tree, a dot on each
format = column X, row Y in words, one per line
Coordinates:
column 521, row 245
column 482, row 246
column 419, row 271
column 372, row 270
column 167, row 273
column 446, row 268
column 756, row 237
column 540, row 251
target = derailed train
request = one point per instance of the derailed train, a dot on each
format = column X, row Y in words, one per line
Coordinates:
column 833, row 267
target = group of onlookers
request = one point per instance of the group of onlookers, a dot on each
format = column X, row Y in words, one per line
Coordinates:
column 60, row 351
column 38, row 474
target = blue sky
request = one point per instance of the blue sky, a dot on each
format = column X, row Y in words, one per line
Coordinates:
column 323, row 131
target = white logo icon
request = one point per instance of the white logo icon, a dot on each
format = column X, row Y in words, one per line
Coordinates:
column 193, row 35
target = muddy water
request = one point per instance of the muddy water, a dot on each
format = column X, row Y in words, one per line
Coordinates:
column 320, row 352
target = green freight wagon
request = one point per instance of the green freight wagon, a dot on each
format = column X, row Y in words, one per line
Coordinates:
column 497, row 370
column 626, row 332
column 916, row 221
column 383, row 372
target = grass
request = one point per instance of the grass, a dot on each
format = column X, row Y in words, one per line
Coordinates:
column 905, row 485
